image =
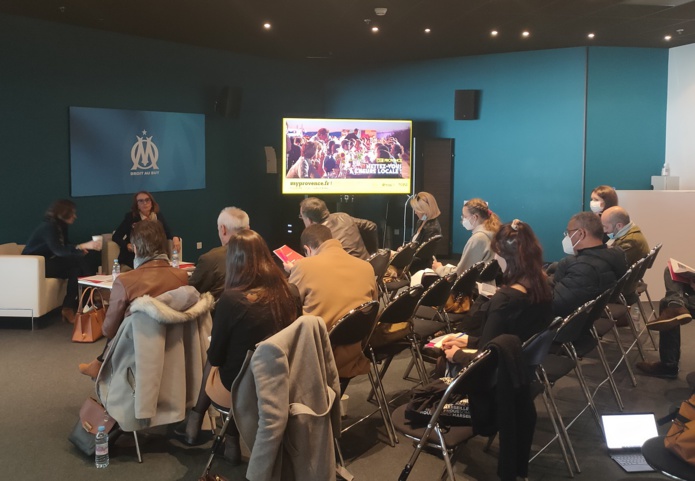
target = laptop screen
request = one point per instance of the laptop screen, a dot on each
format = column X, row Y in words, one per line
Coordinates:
column 628, row 430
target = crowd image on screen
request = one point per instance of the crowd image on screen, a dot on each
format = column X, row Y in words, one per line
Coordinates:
column 350, row 153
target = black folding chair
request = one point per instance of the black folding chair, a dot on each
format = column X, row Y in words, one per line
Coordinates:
column 380, row 262
column 424, row 254
column 401, row 262
column 478, row 377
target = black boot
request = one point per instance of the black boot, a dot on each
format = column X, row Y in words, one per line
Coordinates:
column 232, row 449
column 189, row 428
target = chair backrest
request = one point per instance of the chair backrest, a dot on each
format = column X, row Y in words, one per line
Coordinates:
column 574, row 324
column 423, row 255
column 438, row 293
column 600, row 303
column 465, row 283
column 651, row 257
column 401, row 308
column 380, row 262
column 490, row 271
column 478, row 376
column 404, row 257
column 619, row 286
column 536, row 348
column 355, row 326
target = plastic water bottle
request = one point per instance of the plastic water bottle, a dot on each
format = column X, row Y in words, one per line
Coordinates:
column 636, row 315
column 101, row 456
column 175, row 259
column 116, row 269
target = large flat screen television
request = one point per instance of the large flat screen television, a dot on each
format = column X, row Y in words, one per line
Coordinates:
column 346, row 156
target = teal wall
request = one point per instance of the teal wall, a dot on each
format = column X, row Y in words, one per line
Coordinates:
column 525, row 155
column 626, row 122
column 45, row 68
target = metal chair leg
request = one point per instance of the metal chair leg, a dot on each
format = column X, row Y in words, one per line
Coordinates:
column 137, row 446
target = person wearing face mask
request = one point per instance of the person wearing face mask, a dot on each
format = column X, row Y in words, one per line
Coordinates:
column 484, row 224
column 427, row 211
column 603, row 197
column 624, row 233
column 590, row 267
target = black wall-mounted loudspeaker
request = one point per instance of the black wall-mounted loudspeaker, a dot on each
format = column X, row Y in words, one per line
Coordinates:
column 228, row 103
column 466, row 104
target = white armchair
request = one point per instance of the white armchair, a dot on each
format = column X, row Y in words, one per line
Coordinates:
column 24, row 289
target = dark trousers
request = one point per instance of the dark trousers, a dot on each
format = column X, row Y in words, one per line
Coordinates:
column 677, row 294
column 69, row 268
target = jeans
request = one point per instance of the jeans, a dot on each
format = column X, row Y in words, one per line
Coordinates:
column 677, row 294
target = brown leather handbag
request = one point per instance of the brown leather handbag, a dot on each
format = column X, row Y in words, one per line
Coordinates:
column 681, row 437
column 89, row 318
column 457, row 305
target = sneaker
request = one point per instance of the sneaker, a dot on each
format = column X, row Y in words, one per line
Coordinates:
column 658, row 369
column 669, row 318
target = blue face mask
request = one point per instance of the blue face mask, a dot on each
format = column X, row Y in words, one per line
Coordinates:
column 424, row 217
column 611, row 235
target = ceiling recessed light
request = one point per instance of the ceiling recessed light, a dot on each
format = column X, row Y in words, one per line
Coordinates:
column 494, row 33
column 667, row 38
column 375, row 29
column 266, row 25
column 427, row 30
column 525, row 33
column 591, row 35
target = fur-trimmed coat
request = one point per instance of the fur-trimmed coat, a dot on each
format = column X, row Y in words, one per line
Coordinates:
column 154, row 367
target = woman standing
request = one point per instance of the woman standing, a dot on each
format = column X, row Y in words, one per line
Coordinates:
column 476, row 217
column 257, row 302
column 144, row 207
column 63, row 260
column 523, row 304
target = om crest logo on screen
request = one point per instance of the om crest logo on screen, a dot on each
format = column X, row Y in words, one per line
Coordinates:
column 144, row 155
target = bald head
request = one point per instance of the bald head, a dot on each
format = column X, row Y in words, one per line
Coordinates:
column 613, row 219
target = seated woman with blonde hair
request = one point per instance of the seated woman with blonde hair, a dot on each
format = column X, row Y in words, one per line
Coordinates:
column 476, row 216
column 427, row 211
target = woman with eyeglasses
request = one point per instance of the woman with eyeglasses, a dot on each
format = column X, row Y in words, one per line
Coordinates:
column 63, row 259
column 427, row 211
column 144, row 207
column 476, row 216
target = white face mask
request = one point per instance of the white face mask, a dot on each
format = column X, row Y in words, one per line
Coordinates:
column 568, row 246
column 424, row 217
column 595, row 206
column 500, row 260
column 466, row 224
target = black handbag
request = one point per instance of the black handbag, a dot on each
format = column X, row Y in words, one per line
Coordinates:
column 424, row 401
column 92, row 415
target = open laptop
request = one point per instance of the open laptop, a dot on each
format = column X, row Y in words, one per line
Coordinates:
column 625, row 433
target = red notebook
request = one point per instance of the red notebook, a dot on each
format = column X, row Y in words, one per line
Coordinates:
column 287, row 254
column 680, row 272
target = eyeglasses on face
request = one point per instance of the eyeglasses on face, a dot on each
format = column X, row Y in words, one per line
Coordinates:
column 144, row 201
column 568, row 232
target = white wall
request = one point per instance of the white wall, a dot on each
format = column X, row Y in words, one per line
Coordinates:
column 680, row 115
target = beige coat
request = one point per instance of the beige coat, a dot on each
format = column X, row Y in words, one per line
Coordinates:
column 285, row 404
column 331, row 283
column 154, row 367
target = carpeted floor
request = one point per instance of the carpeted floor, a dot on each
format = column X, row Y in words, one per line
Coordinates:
column 42, row 392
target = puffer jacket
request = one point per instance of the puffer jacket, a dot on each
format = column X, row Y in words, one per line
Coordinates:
column 582, row 277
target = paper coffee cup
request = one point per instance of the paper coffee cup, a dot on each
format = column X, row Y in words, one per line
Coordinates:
column 344, row 405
